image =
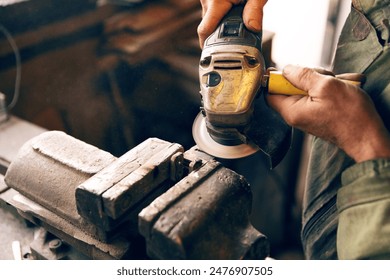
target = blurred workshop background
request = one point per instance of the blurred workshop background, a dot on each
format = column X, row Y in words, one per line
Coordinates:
column 113, row 73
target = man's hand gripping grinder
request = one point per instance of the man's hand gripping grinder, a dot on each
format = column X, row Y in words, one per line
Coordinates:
column 234, row 121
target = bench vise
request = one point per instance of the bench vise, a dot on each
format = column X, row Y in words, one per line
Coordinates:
column 156, row 201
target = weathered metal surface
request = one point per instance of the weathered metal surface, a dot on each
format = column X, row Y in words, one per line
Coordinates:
column 76, row 236
column 134, row 187
column 204, row 216
column 107, row 207
column 47, row 247
column 48, row 169
column 13, row 134
column 109, row 194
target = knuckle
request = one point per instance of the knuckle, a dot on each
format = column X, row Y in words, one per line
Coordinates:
column 257, row 6
column 326, row 83
column 292, row 120
column 312, row 80
column 305, row 74
column 291, row 117
column 202, row 30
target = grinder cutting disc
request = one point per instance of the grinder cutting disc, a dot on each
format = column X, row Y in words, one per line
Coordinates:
column 207, row 144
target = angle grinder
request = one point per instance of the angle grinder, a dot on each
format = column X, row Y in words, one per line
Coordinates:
column 233, row 121
column 232, row 75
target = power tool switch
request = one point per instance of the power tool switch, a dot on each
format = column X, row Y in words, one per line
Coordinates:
column 232, row 29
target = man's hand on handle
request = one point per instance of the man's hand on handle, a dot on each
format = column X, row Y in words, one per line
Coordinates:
column 336, row 111
column 214, row 10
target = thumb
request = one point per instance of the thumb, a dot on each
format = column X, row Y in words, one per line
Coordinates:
column 301, row 77
column 212, row 16
column 253, row 14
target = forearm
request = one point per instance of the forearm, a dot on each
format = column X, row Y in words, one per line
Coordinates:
column 371, row 143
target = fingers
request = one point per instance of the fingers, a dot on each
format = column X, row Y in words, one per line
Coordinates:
column 253, row 14
column 301, row 77
column 334, row 110
column 291, row 107
column 213, row 12
column 276, row 101
column 286, row 106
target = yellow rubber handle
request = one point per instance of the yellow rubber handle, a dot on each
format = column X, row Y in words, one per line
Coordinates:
column 277, row 84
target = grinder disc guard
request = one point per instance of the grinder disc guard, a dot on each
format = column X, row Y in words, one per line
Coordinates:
column 207, row 144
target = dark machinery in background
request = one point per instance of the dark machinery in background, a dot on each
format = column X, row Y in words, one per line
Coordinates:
column 112, row 76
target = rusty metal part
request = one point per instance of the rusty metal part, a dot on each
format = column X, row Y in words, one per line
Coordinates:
column 110, row 194
column 14, row 132
column 204, row 216
column 48, row 247
column 58, row 179
column 49, row 168
column 92, row 201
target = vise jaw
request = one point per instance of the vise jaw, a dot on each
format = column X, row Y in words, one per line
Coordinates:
column 155, row 201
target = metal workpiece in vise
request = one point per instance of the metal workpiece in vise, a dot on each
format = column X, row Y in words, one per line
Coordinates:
column 156, row 201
